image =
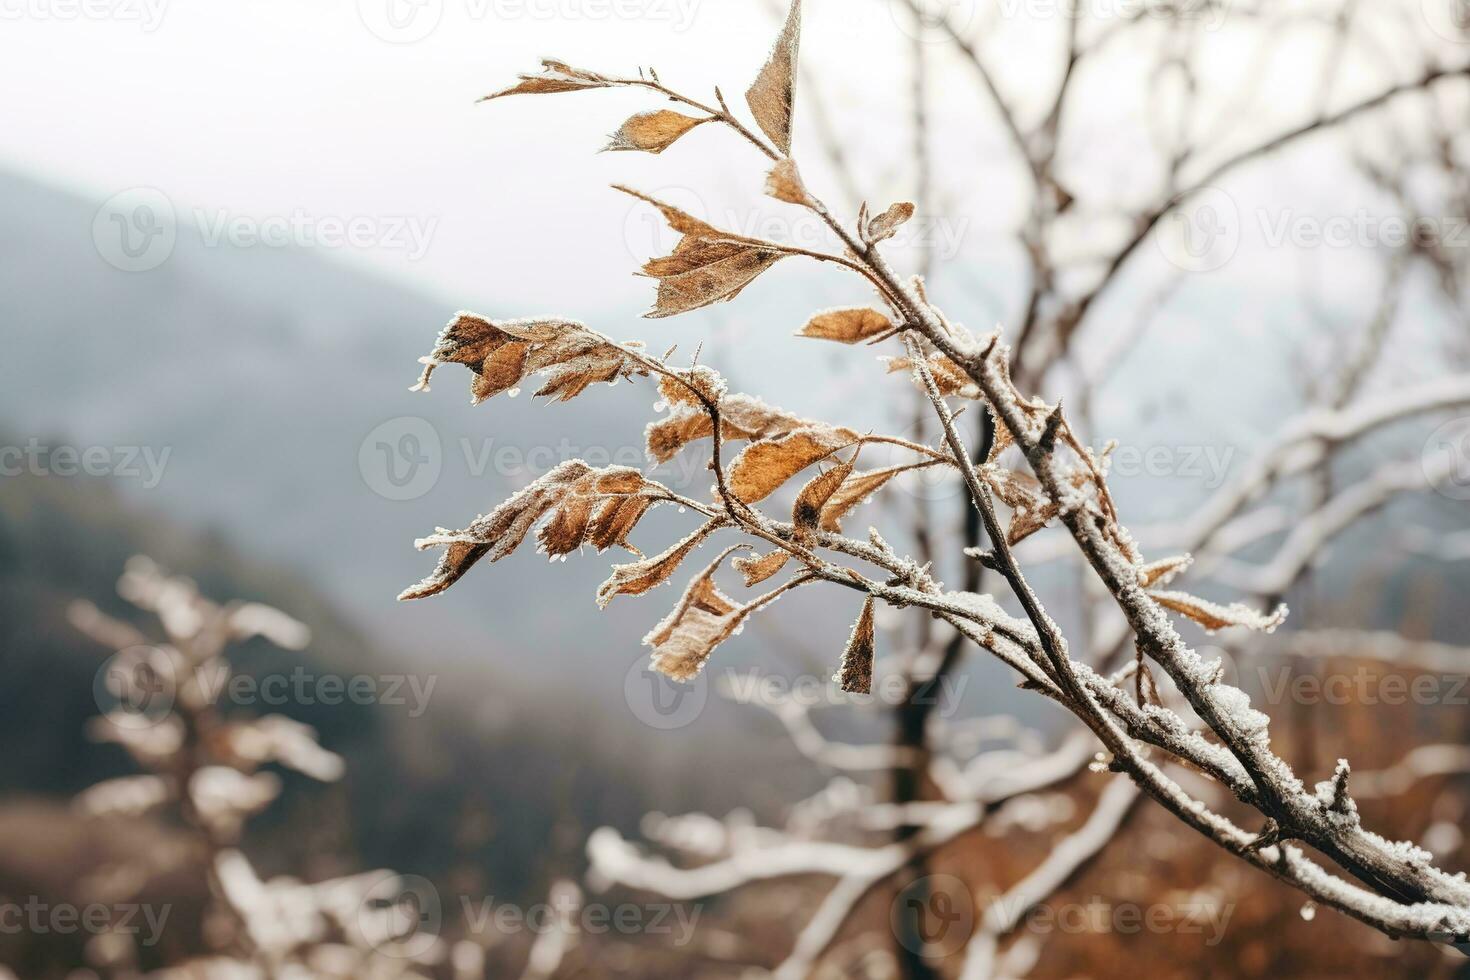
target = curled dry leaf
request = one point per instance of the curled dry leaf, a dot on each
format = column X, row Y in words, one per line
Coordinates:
column 706, row 266
column 806, row 513
column 784, row 183
column 758, row 568
column 586, row 505
column 856, row 489
column 1001, row 441
column 690, row 387
column 949, row 377
column 504, row 354
column 856, row 673
column 764, row 466
column 640, row 576
column 851, row 325
column 886, row 225
column 1163, row 571
column 1031, row 509
column 1025, row 523
column 1213, row 616
column 703, row 619
column 557, row 77
column 653, row 132
column 772, row 98
column 741, row 417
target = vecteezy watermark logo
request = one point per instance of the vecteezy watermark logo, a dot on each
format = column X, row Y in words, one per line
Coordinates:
column 408, row 234
column 1446, row 459
column 143, row 463
column 1206, row 917
column 148, row 14
column 1208, row 466
column 401, row 459
column 662, row 703
column 933, row 915
column 401, row 915
column 1450, row 19
column 401, row 21
column 136, row 229
column 1201, row 232
column 1363, row 686
column 489, row 919
column 1363, row 229
column 931, row 21
column 136, row 687
column 36, row 917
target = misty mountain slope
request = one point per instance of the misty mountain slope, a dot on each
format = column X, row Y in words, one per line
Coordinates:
column 254, row 377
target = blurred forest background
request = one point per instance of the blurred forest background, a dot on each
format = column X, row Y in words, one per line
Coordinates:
column 271, row 385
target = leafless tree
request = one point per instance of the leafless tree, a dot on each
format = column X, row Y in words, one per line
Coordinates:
column 1152, row 709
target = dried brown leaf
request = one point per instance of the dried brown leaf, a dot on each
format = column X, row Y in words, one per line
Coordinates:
column 758, row 568
column 502, row 355
column 716, row 281
column 854, row 491
column 765, row 465
column 772, row 98
column 1163, row 571
column 949, row 377
column 1027, row 522
column 707, row 265
column 1031, row 507
column 502, row 370
column 741, row 417
column 614, row 520
column 640, row 576
column 1017, row 491
column 1213, row 616
column 784, row 183
column 558, row 77
column 851, row 325
column 665, row 437
column 856, row 673
column 682, row 390
column 653, row 132
column 703, row 619
column 586, row 506
column 886, row 225
column 1002, row 441
column 806, row 513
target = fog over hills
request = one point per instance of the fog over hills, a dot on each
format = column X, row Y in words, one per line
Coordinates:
column 256, row 372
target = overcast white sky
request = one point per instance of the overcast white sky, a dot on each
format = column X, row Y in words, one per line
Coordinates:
column 271, row 106
column 336, row 109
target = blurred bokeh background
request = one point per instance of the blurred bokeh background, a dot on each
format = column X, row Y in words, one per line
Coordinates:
column 231, row 230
